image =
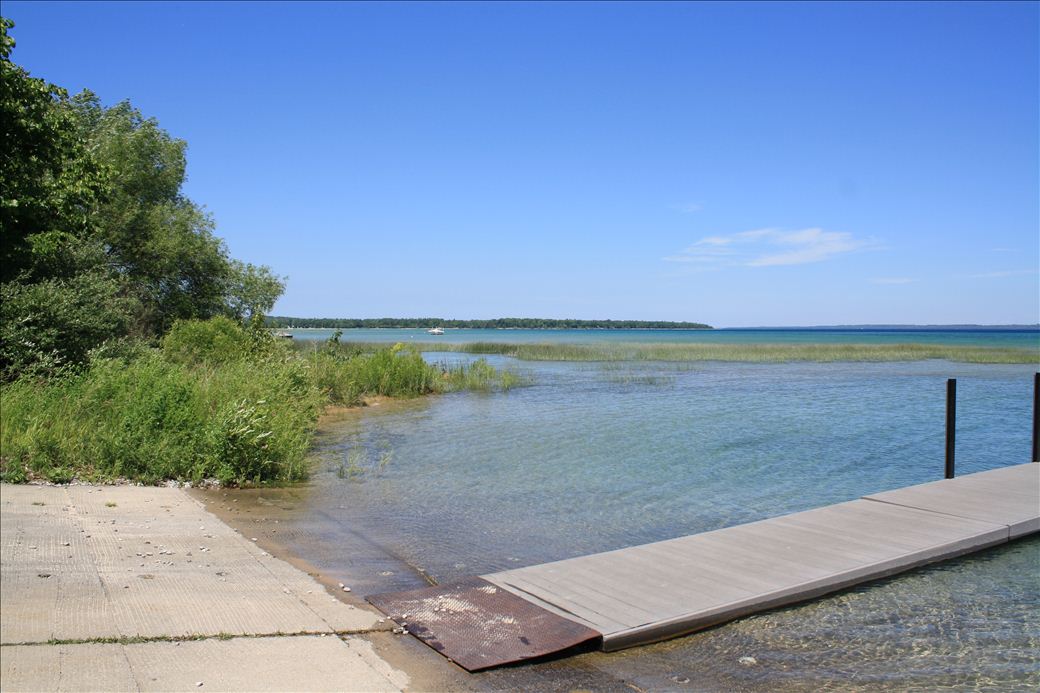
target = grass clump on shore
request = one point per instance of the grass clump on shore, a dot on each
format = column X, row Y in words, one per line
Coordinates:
column 750, row 353
column 151, row 419
column 214, row 401
column 347, row 373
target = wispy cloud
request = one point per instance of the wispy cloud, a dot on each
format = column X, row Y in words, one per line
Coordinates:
column 1000, row 274
column 892, row 280
column 770, row 247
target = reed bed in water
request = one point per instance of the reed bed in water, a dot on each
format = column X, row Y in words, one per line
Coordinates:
column 750, row 353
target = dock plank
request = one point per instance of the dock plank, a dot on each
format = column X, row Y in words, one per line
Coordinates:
column 1006, row 496
column 659, row 590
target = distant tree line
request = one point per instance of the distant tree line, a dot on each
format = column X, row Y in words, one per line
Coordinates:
column 498, row 323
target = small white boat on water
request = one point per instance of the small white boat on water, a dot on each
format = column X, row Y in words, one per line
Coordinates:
column 435, row 330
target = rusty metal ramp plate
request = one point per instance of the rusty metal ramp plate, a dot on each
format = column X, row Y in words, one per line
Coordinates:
column 479, row 625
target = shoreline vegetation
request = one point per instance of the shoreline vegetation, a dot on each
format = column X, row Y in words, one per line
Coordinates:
column 746, row 353
column 281, row 322
column 215, row 400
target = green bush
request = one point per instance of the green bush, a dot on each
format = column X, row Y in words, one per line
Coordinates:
column 217, row 340
column 53, row 324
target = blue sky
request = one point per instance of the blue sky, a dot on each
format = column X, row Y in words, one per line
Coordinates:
column 736, row 164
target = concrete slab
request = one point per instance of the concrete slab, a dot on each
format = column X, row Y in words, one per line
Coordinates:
column 309, row 663
column 89, row 562
column 94, row 563
column 305, row 663
column 49, row 584
column 86, row 667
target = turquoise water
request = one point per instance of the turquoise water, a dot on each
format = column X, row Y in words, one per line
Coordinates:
column 591, row 457
column 1023, row 339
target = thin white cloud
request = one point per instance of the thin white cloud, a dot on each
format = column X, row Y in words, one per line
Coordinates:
column 1000, row 274
column 892, row 280
column 714, row 241
column 771, row 247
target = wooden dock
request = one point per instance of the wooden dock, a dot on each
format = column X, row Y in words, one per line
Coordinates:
column 655, row 591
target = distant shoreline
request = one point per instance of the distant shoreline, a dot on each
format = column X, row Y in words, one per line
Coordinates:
column 290, row 323
column 284, row 322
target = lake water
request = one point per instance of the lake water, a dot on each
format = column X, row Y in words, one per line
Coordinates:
column 591, row 457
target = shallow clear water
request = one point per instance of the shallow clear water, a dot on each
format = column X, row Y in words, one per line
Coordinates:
column 592, row 457
column 1009, row 338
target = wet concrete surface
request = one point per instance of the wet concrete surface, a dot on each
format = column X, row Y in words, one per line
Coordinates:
column 332, row 553
column 965, row 624
column 840, row 643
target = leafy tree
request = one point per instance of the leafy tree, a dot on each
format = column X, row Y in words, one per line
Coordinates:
column 96, row 238
column 58, row 298
column 162, row 242
column 49, row 186
column 159, row 239
column 252, row 290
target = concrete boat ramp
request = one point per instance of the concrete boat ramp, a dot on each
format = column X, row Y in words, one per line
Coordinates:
column 646, row 593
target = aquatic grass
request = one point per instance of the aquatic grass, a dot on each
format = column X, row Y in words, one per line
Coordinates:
column 478, row 375
column 749, row 353
column 362, row 461
column 637, row 379
column 350, row 372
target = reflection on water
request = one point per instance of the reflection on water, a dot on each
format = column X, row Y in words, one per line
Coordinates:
column 593, row 457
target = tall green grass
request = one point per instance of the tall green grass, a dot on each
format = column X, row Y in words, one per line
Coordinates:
column 347, row 373
column 151, row 419
column 478, row 375
column 348, row 377
column 756, row 353
column 215, row 401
